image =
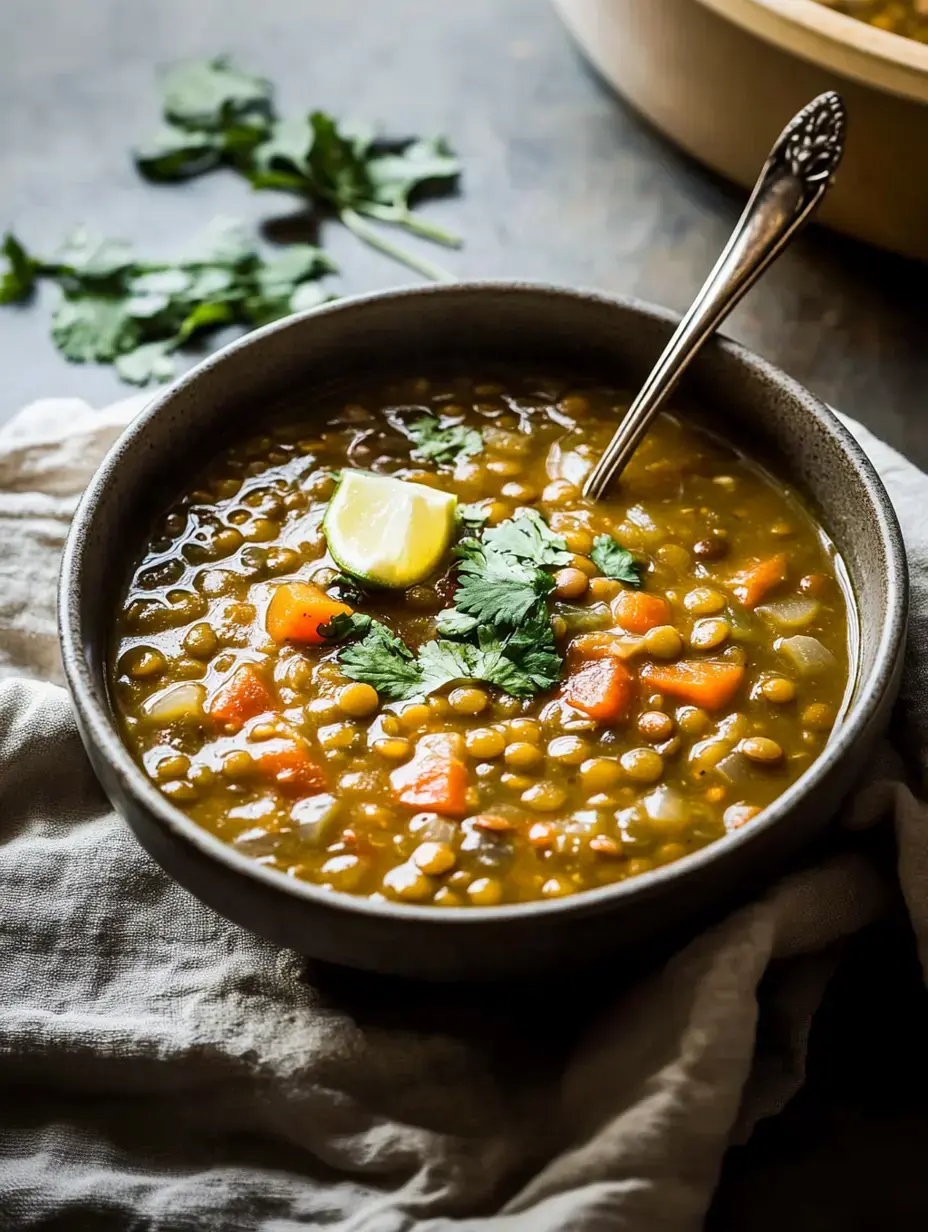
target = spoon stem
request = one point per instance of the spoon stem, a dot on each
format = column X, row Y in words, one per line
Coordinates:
column 791, row 185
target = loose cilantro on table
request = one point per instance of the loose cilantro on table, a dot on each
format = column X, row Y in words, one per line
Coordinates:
column 433, row 443
column 134, row 314
column 214, row 114
column 615, row 561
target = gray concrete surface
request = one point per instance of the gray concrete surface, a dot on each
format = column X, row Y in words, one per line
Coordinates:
column 561, row 181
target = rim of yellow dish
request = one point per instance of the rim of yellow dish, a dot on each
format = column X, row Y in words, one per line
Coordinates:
column 850, row 47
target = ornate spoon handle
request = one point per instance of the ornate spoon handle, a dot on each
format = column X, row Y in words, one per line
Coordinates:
column 794, row 180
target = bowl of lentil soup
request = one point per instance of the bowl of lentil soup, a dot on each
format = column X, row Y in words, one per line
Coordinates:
column 366, row 674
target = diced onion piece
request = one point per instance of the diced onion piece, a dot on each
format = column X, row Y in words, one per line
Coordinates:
column 665, row 804
column 807, row 654
column 256, row 841
column 176, row 703
column 735, row 767
column 788, row 615
column 313, row 816
column 433, row 828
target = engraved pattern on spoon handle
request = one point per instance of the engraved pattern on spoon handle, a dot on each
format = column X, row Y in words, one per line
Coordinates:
column 794, row 179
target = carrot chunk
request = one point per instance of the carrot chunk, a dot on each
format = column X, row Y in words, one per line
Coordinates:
column 601, row 645
column 752, row 584
column 287, row 761
column 702, row 683
column 602, row 688
column 637, row 612
column 435, row 779
column 243, row 696
column 297, row 611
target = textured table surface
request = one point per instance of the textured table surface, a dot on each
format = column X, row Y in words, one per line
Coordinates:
column 561, row 182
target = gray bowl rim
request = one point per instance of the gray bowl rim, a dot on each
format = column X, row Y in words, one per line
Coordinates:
column 101, row 728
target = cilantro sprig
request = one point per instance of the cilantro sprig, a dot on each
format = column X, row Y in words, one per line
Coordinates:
column 615, row 561
column 214, row 114
column 442, row 445
column 135, row 314
column 523, row 664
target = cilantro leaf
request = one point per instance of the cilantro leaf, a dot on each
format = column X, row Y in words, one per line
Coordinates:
column 497, row 589
column 280, row 283
column 88, row 257
column 441, row 663
column 615, row 561
column 345, row 625
column 471, row 517
column 149, row 362
column 384, row 662
column 213, row 94
column 452, row 623
column 397, row 175
column 531, row 648
column 176, row 153
column 282, row 161
column 93, row 328
column 433, row 443
column 212, row 113
column 19, row 277
column 529, row 538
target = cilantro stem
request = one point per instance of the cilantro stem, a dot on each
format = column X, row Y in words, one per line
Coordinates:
column 370, row 235
column 418, row 226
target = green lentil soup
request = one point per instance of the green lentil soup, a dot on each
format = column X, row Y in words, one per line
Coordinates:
column 538, row 696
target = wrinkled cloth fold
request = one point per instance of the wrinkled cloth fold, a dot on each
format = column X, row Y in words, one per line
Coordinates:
column 162, row 1069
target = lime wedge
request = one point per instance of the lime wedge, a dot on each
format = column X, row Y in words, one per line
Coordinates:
column 386, row 531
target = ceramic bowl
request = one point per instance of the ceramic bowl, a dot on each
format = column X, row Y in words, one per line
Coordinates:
column 755, row 405
column 722, row 77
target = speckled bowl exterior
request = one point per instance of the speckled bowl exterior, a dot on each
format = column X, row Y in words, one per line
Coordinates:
column 757, row 406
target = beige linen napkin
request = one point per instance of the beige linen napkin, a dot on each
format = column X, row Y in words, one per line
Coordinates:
column 162, row 1069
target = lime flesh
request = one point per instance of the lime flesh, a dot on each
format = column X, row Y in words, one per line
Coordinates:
column 387, row 531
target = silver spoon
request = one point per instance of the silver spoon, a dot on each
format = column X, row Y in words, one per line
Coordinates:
column 795, row 178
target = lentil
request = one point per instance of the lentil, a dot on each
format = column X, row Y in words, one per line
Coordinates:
column 655, row 725
column 762, row 749
column 468, row 701
column 358, row 700
column 778, row 690
column 642, row 765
